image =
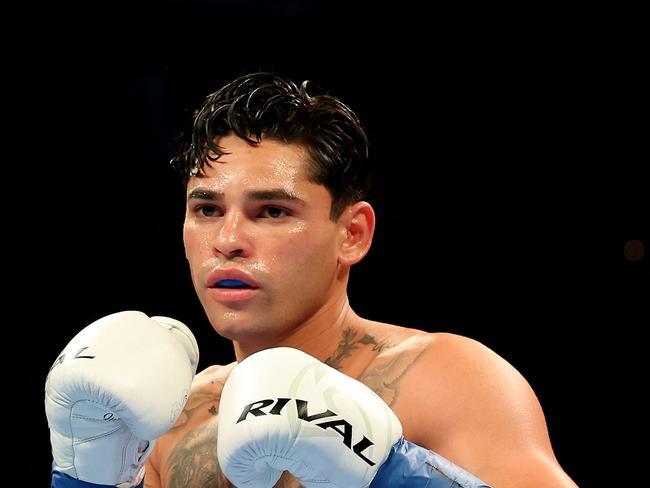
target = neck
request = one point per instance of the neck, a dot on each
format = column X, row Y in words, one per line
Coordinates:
column 321, row 336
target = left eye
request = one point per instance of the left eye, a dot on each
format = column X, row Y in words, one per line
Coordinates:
column 273, row 212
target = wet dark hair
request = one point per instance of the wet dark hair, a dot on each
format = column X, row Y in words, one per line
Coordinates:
column 265, row 105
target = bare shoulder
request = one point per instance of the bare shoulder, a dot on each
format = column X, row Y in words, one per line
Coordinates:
column 473, row 377
column 461, row 371
column 473, row 381
column 461, row 399
column 401, row 348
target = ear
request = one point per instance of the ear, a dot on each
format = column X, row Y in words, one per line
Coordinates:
column 357, row 228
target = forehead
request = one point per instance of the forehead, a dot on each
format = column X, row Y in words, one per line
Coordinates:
column 269, row 162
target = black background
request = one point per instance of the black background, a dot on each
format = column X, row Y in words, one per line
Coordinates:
column 481, row 122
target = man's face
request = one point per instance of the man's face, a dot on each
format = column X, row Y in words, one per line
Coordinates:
column 259, row 239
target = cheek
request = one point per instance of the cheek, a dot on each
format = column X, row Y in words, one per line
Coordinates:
column 187, row 240
column 307, row 274
column 192, row 241
column 307, row 252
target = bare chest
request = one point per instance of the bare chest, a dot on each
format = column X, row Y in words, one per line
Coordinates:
column 191, row 459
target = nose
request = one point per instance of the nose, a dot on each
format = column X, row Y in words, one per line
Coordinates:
column 231, row 239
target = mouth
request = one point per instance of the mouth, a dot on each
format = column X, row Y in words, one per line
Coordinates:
column 231, row 279
column 233, row 284
column 232, row 291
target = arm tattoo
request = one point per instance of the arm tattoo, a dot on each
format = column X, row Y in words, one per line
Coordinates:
column 385, row 375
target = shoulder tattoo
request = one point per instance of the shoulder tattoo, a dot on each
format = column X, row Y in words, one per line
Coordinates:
column 350, row 342
column 385, row 374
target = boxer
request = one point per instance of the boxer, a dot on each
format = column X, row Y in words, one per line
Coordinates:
column 276, row 216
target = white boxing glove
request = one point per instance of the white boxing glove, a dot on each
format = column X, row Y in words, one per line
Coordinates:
column 282, row 409
column 119, row 384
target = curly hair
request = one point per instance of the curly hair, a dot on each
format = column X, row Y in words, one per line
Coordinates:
column 265, row 105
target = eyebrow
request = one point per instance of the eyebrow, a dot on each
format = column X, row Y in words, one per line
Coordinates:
column 270, row 194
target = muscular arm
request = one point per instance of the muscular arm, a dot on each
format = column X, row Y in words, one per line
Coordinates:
column 465, row 402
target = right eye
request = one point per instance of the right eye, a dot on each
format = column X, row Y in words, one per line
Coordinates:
column 207, row 211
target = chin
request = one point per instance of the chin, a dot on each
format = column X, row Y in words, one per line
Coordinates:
column 234, row 327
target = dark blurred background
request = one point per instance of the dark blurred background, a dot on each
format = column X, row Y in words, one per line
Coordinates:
column 481, row 128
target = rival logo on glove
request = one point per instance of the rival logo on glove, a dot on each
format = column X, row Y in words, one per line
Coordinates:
column 341, row 426
column 61, row 358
